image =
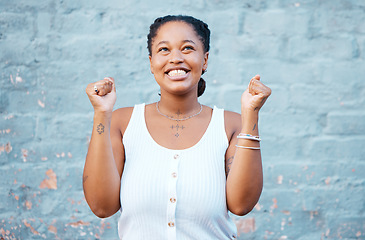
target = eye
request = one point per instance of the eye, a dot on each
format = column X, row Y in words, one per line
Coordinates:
column 163, row 49
column 188, row 48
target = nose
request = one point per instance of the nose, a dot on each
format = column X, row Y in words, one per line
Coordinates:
column 176, row 56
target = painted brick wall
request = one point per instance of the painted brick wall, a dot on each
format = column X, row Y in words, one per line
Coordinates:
column 310, row 52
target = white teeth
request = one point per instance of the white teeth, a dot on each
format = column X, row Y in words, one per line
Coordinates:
column 174, row 73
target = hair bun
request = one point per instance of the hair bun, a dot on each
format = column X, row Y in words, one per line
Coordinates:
column 201, row 87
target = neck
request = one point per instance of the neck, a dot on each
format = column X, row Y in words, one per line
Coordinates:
column 178, row 106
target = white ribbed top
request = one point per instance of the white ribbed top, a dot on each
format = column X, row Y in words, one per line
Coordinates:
column 174, row 194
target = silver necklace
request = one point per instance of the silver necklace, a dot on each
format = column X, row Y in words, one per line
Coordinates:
column 179, row 119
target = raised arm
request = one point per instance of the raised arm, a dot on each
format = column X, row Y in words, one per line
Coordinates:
column 243, row 156
column 105, row 158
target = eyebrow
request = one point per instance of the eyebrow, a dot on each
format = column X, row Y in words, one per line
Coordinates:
column 184, row 41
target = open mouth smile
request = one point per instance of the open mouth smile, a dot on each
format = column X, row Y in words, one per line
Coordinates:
column 177, row 72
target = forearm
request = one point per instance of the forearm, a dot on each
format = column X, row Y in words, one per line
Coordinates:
column 101, row 180
column 244, row 181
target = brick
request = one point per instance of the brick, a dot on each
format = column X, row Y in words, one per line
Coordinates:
column 341, row 5
column 340, row 123
column 64, row 127
column 17, row 127
column 18, row 78
column 337, row 22
column 292, row 149
column 31, row 5
column 336, row 148
column 322, row 101
column 341, row 48
column 273, row 22
column 346, row 227
column 244, row 47
column 13, row 23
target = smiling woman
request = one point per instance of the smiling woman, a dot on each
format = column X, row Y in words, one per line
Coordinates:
column 174, row 168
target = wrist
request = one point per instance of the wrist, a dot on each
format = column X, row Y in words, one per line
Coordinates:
column 249, row 117
column 247, row 112
column 102, row 114
column 250, row 122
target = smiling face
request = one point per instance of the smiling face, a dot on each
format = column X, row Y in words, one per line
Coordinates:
column 177, row 58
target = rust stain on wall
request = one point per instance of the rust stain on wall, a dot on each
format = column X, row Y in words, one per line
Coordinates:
column 50, row 182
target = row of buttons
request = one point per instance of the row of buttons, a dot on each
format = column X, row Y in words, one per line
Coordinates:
column 171, row 224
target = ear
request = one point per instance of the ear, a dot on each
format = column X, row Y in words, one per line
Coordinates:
column 150, row 57
column 205, row 63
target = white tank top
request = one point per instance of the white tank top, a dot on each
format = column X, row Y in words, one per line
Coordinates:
column 174, row 194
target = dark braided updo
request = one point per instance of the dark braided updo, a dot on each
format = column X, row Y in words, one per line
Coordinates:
column 199, row 27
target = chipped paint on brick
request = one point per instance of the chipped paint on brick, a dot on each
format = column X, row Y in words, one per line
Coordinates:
column 28, row 204
column 24, row 154
column 41, row 104
column 5, row 131
column 6, row 148
column 31, row 228
column 274, row 205
column 10, row 116
column 328, row 180
column 52, row 229
column 245, row 225
column 77, row 224
column 50, row 181
column 258, row 207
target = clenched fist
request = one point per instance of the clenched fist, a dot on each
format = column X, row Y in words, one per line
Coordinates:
column 255, row 95
column 102, row 94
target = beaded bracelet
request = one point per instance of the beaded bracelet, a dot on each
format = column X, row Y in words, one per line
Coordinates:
column 249, row 137
column 253, row 148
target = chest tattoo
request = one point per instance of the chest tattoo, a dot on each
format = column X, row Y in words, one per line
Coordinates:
column 177, row 128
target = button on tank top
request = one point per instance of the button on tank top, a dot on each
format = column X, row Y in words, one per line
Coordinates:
column 174, row 194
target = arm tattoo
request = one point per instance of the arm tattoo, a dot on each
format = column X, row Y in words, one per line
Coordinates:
column 84, row 179
column 254, row 127
column 100, row 128
column 228, row 164
column 263, row 100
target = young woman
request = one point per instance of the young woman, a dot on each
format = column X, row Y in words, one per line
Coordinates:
column 174, row 168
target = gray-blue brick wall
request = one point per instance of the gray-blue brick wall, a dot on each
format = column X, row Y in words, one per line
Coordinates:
column 310, row 52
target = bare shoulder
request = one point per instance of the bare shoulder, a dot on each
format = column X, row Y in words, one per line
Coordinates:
column 232, row 122
column 121, row 117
